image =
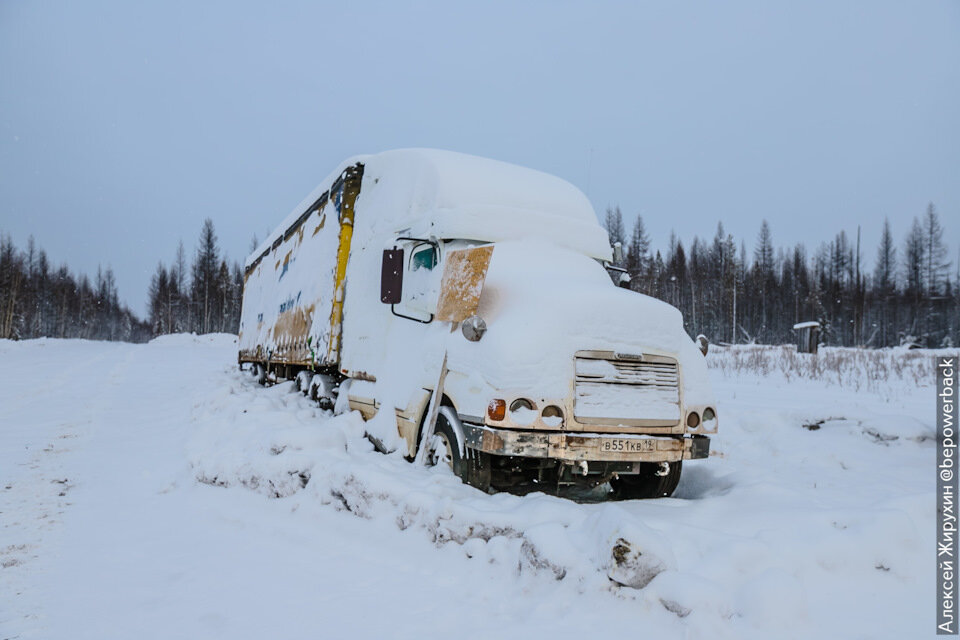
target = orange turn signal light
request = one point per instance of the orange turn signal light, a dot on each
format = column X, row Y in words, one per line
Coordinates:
column 497, row 410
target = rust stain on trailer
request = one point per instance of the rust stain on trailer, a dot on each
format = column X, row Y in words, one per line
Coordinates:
column 292, row 326
column 462, row 283
column 361, row 375
column 323, row 219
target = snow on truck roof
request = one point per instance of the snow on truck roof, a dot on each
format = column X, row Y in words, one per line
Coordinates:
column 454, row 195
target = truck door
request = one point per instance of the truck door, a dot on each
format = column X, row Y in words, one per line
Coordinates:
column 421, row 281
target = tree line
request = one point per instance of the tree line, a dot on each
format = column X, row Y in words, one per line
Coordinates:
column 202, row 298
column 907, row 298
column 38, row 300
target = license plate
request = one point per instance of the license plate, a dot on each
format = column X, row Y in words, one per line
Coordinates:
column 627, row 445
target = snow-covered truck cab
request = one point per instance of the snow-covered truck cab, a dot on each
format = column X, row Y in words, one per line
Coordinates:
column 416, row 270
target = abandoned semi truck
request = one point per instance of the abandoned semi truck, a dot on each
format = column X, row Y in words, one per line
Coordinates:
column 417, row 270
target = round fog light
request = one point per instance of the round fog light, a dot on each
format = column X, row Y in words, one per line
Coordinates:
column 523, row 411
column 552, row 415
column 520, row 404
column 693, row 420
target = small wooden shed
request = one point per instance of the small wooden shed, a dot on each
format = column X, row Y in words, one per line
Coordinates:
column 808, row 335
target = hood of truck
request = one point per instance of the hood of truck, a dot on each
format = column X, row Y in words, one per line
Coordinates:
column 543, row 303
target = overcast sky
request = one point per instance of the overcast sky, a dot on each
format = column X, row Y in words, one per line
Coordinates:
column 124, row 124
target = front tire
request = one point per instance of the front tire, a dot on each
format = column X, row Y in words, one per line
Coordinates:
column 647, row 484
column 444, row 448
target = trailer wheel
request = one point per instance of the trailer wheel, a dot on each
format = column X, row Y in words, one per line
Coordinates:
column 320, row 390
column 302, row 382
column 443, row 448
column 647, row 484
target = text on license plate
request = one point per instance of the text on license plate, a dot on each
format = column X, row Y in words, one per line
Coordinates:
column 627, row 445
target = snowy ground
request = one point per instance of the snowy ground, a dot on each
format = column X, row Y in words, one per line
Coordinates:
column 153, row 491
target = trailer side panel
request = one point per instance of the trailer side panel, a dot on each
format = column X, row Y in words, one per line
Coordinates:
column 293, row 292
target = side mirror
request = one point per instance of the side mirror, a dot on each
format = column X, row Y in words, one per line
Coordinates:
column 617, row 253
column 391, row 276
column 703, row 344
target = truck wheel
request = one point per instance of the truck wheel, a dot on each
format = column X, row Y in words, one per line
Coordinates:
column 302, row 382
column 443, row 449
column 647, row 484
column 261, row 374
column 321, row 391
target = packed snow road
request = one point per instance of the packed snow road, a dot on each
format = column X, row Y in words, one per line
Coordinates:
column 153, row 491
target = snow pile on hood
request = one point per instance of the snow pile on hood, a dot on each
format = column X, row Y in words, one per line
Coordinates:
column 530, row 341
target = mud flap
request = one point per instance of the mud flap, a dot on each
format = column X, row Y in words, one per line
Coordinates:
column 699, row 447
column 475, row 469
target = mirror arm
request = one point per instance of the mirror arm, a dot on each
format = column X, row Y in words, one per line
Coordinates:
column 400, row 315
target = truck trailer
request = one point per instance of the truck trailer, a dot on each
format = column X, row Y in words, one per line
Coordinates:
column 417, row 271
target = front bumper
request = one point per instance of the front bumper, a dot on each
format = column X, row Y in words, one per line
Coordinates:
column 574, row 447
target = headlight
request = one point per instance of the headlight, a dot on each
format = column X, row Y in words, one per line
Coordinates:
column 693, row 420
column 523, row 411
column 552, row 415
column 709, row 419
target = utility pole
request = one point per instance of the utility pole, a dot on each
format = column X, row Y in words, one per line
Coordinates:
column 857, row 300
column 693, row 303
column 733, row 325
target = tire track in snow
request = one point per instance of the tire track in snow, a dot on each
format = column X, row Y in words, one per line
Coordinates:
column 35, row 500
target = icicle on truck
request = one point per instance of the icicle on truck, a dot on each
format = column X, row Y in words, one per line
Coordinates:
column 555, row 376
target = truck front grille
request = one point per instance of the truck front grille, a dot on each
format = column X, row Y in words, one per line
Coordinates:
column 633, row 388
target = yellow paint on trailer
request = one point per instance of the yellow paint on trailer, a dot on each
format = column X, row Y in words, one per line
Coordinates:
column 351, row 189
